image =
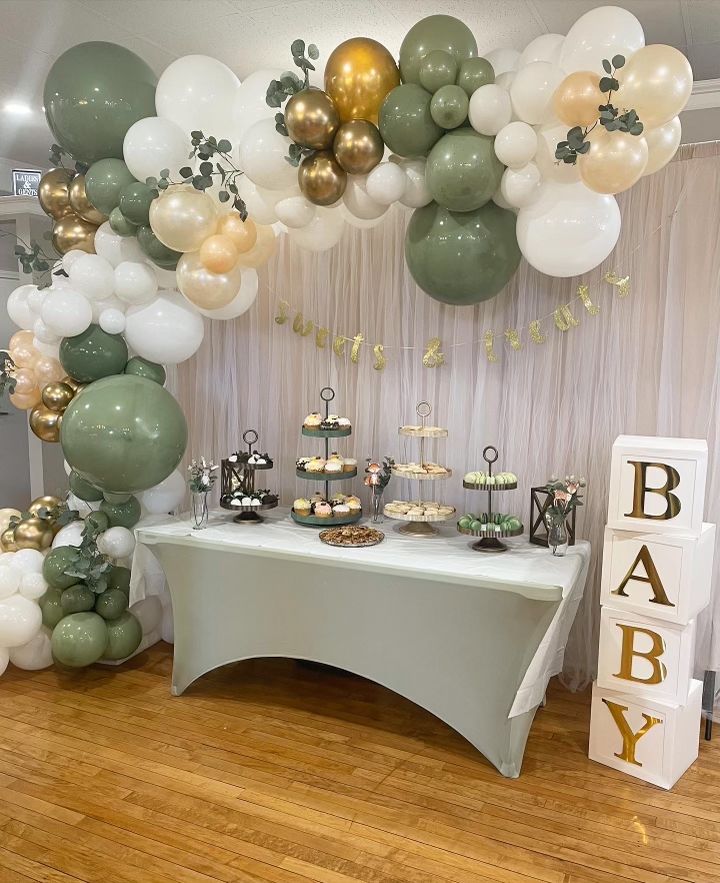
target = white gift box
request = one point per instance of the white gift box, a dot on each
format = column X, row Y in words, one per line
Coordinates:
column 657, row 485
column 641, row 657
column 642, row 737
column 659, row 577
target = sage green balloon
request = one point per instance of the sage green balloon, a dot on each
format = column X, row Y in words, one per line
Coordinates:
column 83, row 490
column 119, row 578
column 449, row 107
column 405, row 122
column 79, row 639
column 93, row 354
column 103, row 182
column 77, row 599
column 438, row 68
column 124, row 636
column 51, row 607
column 462, row 171
column 144, row 368
column 158, row 253
column 93, row 93
column 474, row 73
column 461, row 258
column 111, row 604
column 98, row 521
column 124, row 434
column 119, row 223
column 125, row 514
column 135, row 202
column 56, row 562
column 434, row 32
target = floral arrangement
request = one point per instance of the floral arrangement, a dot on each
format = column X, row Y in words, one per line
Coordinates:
column 377, row 476
column 202, row 475
column 565, row 495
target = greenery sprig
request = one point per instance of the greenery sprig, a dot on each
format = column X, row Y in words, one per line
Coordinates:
column 609, row 117
column 288, row 85
column 90, row 565
column 56, row 155
column 8, row 381
column 33, row 259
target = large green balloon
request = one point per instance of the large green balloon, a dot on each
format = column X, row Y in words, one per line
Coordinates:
column 462, row 171
column 79, row 639
column 461, row 258
column 124, row 636
column 111, row 604
column 474, row 73
column 449, row 107
column 405, row 122
column 93, row 94
column 51, row 607
column 77, row 598
column 83, row 490
column 135, row 202
column 103, row 182
column 158, row 253
column 119, row 223
column 124, row 434
column 438, row 68
column 125, row 514
column 56, row 562
column 434, row 32
column 144, row 368
column 93, row 354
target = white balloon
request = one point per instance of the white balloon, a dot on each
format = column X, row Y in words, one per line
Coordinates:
column 358, row 202
column 92, row 275
column 515, row 144
column 490, row 109
column 416, row 192
column 262, row 153
column 260, row 202
column 295, row 211
column 67, row 312
column 250, row 104
column 117, row 249
column 33, row 586
column 112, row 321
column 500, row 201
column 69, row 258
column 43, row 333
column 47, row 349
column 167, row 279
column 135, row 282
column 322, row 233
column 505, row 80
column 503, row 60
column 149, row 612
column 532, row 90
column 28, row 560
column 546, row 47
column 116, row 542
column 197, row 92
column 35, row 654
column 242, row 301
column 36, row 297
column 153, row 144
column 6, row 558
column 71, row 534
column 112, row 303
column 166, row 496
column 521, row 186
column 20, row 620
column 600, row 33
column 568, row 230
column 359, row 223
column 19, row 309
column 4, row 659
column 81, row 506
column 548, row 137
column 386, row 183
column 167, row 330
column 9, row 580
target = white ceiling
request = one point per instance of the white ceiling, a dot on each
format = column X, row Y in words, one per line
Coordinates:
column 250, row 34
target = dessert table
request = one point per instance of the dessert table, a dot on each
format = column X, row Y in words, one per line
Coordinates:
column 472, row 638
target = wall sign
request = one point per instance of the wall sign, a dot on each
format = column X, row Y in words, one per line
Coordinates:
column 26, row 182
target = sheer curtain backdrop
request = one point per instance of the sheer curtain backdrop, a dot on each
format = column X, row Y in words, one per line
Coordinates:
column 648, row 364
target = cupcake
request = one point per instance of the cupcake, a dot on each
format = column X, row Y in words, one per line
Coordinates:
column 343, row 422
column 301, row 506
column 316, row 464
column 338, row 498
column 354, row 504
column 301, row 462
column 323, row 510
column 334, row 464
column 342, row 510
column 350, row 464
column 312, row 421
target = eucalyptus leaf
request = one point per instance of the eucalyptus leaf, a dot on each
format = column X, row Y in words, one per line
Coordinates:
column 313, row 52
column 224, row 145
column 618, row 61
column 607, row 67
column 297, row 47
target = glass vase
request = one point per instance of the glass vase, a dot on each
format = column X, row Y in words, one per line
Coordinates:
column 376, row 506
column 557, row 533
column 199, row 509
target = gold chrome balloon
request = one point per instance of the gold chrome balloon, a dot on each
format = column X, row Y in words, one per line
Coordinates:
column 81, row 205
column 7, row 540
column 46, row 502
column 72, row 383
column 358, row 76
column 6, row 515
column 33, row 533
column 358, row 147
column 45, row 423
column 57, row 396
column 53, row 193
column 321, row 179
column 71, row 232
column 312, row 119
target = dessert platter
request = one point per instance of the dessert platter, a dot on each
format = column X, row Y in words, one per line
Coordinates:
column 352, row 536
column 420, row 514
column 490, row 526
column 321, row 509
column 237, row 482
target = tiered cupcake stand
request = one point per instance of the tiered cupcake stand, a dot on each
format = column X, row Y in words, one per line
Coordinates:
column 238, row 477
column 420, row 525
column 490, row 534
column 327, row 394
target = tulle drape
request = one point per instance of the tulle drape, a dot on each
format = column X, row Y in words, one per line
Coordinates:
column 648, row 364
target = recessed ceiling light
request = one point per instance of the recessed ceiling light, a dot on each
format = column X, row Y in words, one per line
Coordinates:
column 17, row 107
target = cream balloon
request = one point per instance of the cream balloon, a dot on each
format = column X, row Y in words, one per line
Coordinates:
column 322, row 233
column 515, row 144
column 18, row 307
column 42, row 333
column 662, row 143
column 416, row 192
column 386, row 183
column 182, row 218
column 520, row 187
column 206, row 290
column 548, row 137
column 359, row 223
column 197, row 92
column 153, row 144
column 500, row 200
column 577, row 99
column 36, row 297
column 20, row 621
column 167, row 330
column 546, row 47
column 295, row 211
column 532, row 91
column 656, row 82
column 261, row 152
column 116, row 542
column 503, row 60
column 242, row 233
column 35, row 654
column 243, row 300
column 601, row 33
column 264, row 248
column 615, row 161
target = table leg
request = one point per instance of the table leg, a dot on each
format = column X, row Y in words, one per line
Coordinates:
column 708, row 702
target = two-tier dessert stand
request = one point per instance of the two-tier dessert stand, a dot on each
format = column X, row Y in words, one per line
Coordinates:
column 491, row 531
column 237, row 480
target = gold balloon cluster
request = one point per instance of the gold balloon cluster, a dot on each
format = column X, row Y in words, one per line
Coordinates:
column 62, row 196
column 32, row 371
column 340, row 123
column 46, row 417
column 33, row 530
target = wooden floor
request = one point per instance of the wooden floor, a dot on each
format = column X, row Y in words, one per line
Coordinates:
column 272, row 771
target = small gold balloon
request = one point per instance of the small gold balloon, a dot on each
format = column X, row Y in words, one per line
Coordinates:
column 46, row 502
column 57, row 396
column 81, row 205
column 33, row 533
column 359, row 74
column 45, row 423
column 71, row 232
column 321, row 179
column 312, row 118
column 54, row 193
column 7, row 540
column 71, row 382
column 358, row 147
column 6, row 515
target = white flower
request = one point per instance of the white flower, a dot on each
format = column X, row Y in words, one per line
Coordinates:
column 205, row 480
